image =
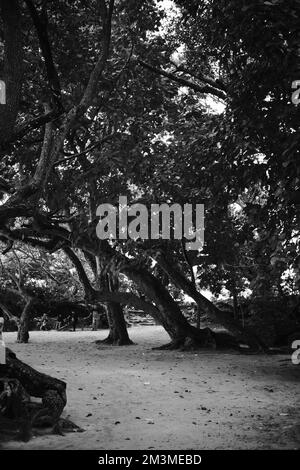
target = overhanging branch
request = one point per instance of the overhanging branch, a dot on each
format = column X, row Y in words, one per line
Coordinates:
column 184, row 82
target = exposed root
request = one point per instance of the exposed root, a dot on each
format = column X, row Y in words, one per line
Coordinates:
column 18, row 415
column 66, row 425
column 109, row 340
column 206, row 338
column 169, row 346
column 114, row 342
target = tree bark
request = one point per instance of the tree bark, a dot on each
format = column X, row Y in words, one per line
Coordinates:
column 169, row 313
column 193, row 280
column 23, row 325
column 118, row 334
column 235, row 303
column 52, row 391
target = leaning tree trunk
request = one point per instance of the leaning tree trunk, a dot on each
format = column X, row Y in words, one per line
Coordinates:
column 165, row 310
column 23, row 325
column 182, row 334
column 208, row 308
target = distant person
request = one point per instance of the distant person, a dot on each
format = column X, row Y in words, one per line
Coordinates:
column 44, row 322
column 74, row 320
column 59, row 322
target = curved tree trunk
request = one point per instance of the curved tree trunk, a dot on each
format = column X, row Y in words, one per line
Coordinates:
column 169, row 313
column 207, row 307
column 161, row 306
column 165, row 310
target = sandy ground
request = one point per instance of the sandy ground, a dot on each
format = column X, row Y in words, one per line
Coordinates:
column 136, row 398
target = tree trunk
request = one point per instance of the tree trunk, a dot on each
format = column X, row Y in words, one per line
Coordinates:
column 165, row 310
column 23, row 326
column 13, row 65
column 52, row 391
column 235, row 303
column 182, row 334
column 198, row 318
column 118, row 334
column 208, row 308
column 193, row 280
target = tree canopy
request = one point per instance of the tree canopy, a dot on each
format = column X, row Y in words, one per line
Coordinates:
column 183, row 104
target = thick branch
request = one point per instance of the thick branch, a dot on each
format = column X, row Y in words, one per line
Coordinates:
column 29, row 126
column 184, row 82
column 12, row 72
column 41, row 22
column 201, row 77
column 205, row 305
column 88, row 289
column 9, row 315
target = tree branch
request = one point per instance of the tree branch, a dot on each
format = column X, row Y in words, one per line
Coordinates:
column 184, row 82
column 87, row 150
column 41, row 22
column 13, row 65
column 201, row 77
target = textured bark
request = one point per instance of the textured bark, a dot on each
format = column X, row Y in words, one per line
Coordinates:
column 35, row 383
column 52, row 391
column 118, row 334
column 23, row 325
column 14, row 416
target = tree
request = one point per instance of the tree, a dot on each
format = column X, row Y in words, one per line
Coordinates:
column 140, row 107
